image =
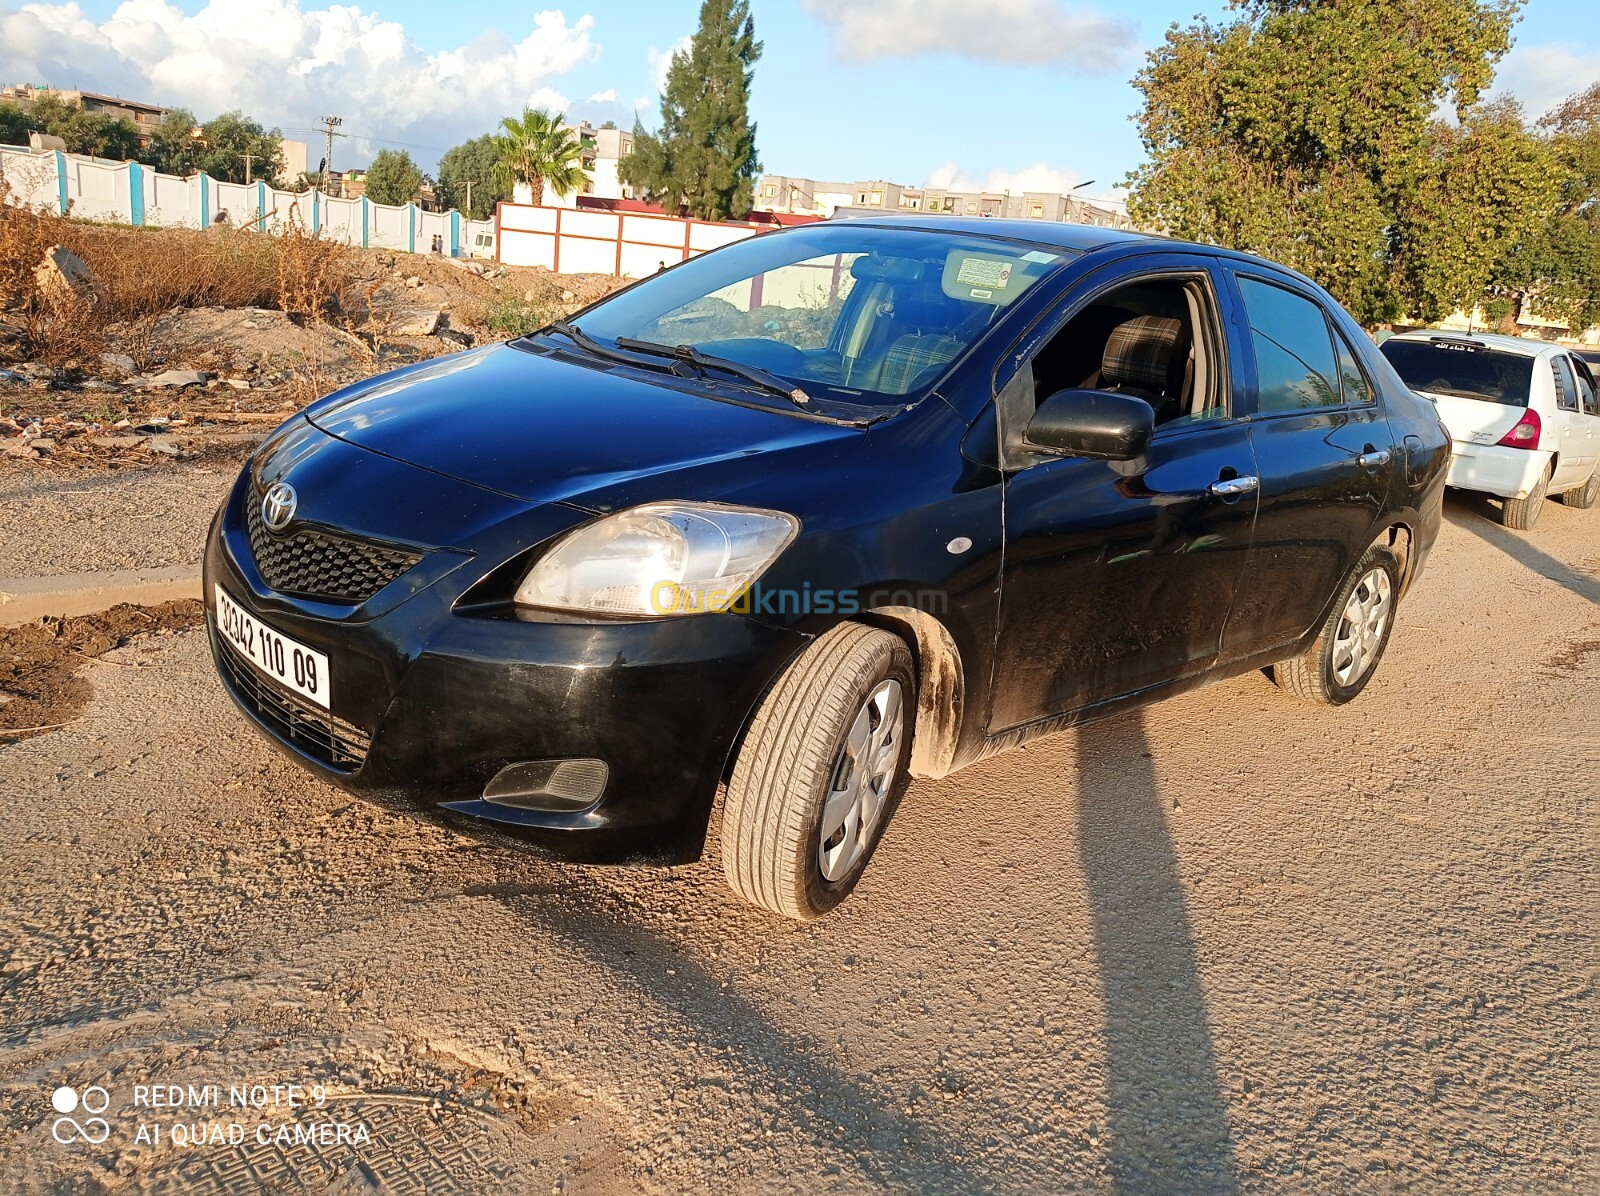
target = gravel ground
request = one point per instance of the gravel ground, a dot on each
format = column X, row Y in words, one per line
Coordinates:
column 87, row 520
column 1228, row 943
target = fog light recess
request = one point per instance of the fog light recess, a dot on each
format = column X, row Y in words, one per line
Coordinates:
column 556, row 785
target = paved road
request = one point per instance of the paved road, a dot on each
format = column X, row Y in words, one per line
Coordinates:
column 1228, row 943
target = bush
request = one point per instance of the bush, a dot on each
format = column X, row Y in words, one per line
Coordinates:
column 513, row 315
column 142, row 272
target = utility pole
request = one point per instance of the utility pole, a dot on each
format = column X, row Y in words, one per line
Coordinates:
column 330, row 123
column 248, row 158
column 469, row 199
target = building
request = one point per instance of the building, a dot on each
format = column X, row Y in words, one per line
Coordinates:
column 143, row 117
column 783, row 193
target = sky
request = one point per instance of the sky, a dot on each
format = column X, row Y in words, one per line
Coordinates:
column 1001, row 94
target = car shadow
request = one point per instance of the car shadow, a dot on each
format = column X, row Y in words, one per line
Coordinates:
column 884, row 1145
column 1168, row 1122
column 1476, row 514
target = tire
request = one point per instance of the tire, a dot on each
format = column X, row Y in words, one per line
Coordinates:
column 1520, row 514
column 1586, row 495
column 1327, row 672
column 801, row 748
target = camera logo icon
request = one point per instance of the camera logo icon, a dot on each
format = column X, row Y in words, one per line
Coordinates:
column 92, row 1129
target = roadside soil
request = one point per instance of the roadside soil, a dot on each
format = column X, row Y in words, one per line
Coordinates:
column 1228, row 943
column 41, row 683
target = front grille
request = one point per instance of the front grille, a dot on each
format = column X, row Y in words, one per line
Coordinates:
column 318, row 564
column 287, row 715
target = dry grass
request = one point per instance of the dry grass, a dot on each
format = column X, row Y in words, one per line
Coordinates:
column 142, row 273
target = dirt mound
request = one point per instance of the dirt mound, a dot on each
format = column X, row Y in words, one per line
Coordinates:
column 40, row 687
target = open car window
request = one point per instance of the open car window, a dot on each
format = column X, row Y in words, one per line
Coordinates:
column 865, row 315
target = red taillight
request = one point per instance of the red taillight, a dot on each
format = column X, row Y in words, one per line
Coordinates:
column 1525, row 434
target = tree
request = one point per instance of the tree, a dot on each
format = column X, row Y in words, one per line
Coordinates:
column 175, row 145
column 228, row 139
column 1305, row 131
column 92, row 133
column 536, row 148
column 472, row 161
column 15, row 125
column 703, row 160
column 393, row 178
column 1554, row 269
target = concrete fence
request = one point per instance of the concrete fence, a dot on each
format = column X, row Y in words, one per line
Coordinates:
column 128, row 193
column 626, row 244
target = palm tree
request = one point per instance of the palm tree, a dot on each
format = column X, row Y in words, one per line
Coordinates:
column 536, row 148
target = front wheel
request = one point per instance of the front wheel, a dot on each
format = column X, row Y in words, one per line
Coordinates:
column 820, row 773
column 1586, row 495
column 1520, row 514
column 1341, row 660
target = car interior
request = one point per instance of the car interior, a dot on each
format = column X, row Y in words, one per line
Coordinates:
column 1140, row 339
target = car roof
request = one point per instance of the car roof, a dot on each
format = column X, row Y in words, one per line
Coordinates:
column 1080, row 237
column 1520, row 345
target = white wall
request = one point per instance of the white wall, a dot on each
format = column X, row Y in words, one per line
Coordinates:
column 128, row 193
column 629, row 244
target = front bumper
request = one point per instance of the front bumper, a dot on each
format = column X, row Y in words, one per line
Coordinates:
column 449, row 699
column 1494, row 469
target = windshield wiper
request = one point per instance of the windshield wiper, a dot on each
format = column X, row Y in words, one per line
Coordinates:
column 589, row 345
column 708, row 361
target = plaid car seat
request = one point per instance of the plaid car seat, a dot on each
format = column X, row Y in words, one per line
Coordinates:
column 1140, row 357
column 930, row 344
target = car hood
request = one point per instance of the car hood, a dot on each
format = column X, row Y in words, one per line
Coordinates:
column 543, row 428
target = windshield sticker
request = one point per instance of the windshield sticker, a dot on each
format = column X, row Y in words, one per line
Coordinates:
column 1038, row 255
column 984, row 272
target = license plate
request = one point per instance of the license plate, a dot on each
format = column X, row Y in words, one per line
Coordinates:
column 292, row 665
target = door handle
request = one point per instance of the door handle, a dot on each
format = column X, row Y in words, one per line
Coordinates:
column 1234, row 487
column 1376, row 457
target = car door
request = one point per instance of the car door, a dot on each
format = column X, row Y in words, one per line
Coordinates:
column 1589, row 415
column 1324, row 453
column 1118, row 575
column 1569, row 442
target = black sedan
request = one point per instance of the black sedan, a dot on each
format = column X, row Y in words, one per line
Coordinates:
column 810, row 515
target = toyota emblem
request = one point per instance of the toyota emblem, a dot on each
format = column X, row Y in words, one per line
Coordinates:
column 277, row 506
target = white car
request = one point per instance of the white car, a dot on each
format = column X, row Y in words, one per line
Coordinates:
column 1523, row 416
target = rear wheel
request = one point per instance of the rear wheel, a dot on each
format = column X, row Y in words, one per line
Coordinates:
column 820, row 773
column 1340, row 662
column 1585, row 496
column 1521, row 514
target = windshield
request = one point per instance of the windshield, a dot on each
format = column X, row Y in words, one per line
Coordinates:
column 842, row 311
column 1466, row 371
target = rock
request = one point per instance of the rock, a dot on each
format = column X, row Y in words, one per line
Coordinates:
column 97, row 384
column 175, row 378
column 13, row 342
column 237, row 383
column 568, row 296
column 63, row 275
column 42, row 444
column 416, row 323
column 413, row 282
column 462, row 340
column 164, row 445
column 20, row 448
column 120, row 363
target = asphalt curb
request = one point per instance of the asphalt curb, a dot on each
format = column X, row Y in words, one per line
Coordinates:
column 26, row 599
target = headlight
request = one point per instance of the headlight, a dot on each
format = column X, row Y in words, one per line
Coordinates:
column 669, row 558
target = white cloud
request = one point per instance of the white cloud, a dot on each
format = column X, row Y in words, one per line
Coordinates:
column 1041, row 176
column 661, row 60
column 1024, row 32
column 286, row 65
column 1544, row 75
column 608, row 96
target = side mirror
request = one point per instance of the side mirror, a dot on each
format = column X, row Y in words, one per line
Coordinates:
column 1092, row 423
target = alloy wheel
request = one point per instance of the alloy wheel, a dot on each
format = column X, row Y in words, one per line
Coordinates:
column 1361, row 626
column 863, row 776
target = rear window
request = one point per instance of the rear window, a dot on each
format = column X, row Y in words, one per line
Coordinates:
column 1466, row 372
